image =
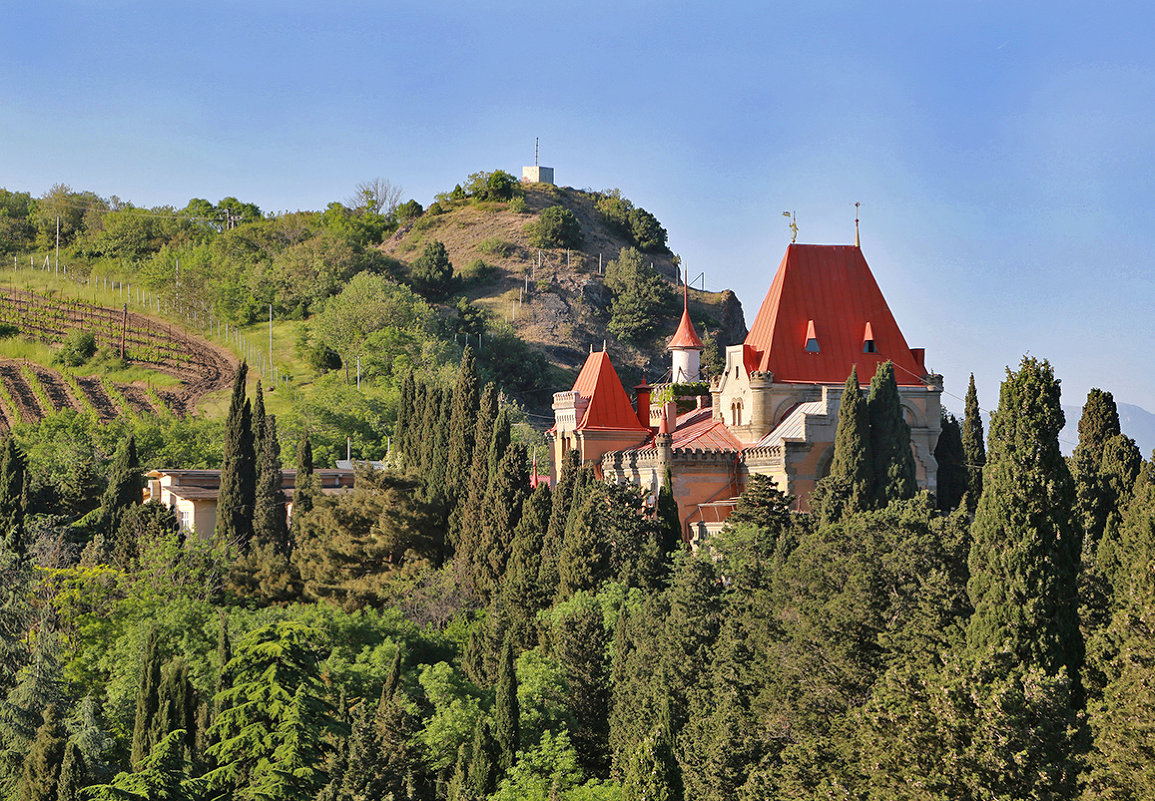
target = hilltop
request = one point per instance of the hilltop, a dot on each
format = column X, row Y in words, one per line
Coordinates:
column 562, row 302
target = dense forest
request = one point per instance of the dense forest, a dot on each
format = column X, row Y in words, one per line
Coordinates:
column 448, row 631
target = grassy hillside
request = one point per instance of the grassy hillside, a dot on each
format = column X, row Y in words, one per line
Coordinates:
column 562, row 304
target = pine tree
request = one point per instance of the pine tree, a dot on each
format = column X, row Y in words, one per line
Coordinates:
column 73, row 774
column 893, row 461
column 147, row 700
column 42, row 765
column 269, row 524
column 238, row 470
column 1025, row 550
column 506, row 723
column 974, row 449
column 853, row 463
column 13, row 497
column 761, row 504
column 952, row 470
column 91, row 735
column 304, row 489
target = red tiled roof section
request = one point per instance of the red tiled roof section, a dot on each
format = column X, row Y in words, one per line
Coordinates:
column 832, row 287
column 685, row 336
column 697, row 429
column 609, row 406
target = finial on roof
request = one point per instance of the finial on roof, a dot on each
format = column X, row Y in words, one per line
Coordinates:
column 591, row 347
column 603, row 346
column 857, row 241
column 793, row 225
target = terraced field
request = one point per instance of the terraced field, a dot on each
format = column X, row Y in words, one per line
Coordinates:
column 29, row 391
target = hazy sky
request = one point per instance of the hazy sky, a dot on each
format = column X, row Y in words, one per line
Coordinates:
column 1003, row 152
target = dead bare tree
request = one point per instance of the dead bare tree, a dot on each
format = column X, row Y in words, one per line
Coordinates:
column 378, row 195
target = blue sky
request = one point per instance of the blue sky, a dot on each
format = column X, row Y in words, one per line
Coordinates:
column 1002, row 152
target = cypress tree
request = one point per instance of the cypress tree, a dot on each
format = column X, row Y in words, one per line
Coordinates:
column 456, row 789
column 521, row 595
column 437, row 468
column 304, row 489
column 894, row 473
column 669, row 519
column 73, row 774
column 13, row 497
column 653, row 773
column 952, row 470
column 852, row 464
column 427, row 438
column 500, row 516
column 481, row 778
column 147, row 701
column 42, row 764
column 578, row 641
column 466, row 515
column 238, row 470
column 415, row 426
column 405, row 410
column 124, row 487
column 559, row 513
column 506, row 723
column 974, row 448
column 1099, row 423
column 176, row 706
column 462, row 424
column 584, row 563
column 1024, row 549
column 269, row 524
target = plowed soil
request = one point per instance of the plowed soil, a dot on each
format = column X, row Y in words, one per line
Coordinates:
column 27, row 409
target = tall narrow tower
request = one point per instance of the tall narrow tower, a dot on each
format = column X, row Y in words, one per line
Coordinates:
column 685, row 347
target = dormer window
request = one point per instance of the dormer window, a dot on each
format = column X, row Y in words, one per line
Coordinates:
column 811, row 339
column 868, row 340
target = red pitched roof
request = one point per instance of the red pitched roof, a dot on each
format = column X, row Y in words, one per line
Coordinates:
column 685, row 337
column 609, row 406
column 828, row 292
column 698, row 430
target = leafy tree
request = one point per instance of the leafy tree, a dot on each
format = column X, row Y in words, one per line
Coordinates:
column 893, row 466
column 238, row 470
column 432, row 272
column 974, row 450
column 555, row 227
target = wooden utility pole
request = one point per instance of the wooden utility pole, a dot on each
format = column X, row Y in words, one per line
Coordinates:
column 123, row 329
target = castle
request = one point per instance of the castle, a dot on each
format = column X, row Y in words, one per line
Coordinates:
column 773, row 410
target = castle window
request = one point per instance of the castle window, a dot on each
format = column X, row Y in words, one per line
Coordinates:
column 736, row 413
column 868, row 340
column 811, row 339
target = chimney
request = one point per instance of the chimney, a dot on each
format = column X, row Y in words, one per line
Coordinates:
column 643, row 405
column 669, row 418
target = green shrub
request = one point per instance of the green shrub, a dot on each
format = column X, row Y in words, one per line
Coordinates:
column 322, row 358
column 555, row 227
column 477, row 270
column 432, row 272
column 79, row 346
column 518, row 205
column 497, row 247
column 7, row 330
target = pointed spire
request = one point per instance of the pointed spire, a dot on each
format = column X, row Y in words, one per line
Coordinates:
column 685, row 337
column 857, row 241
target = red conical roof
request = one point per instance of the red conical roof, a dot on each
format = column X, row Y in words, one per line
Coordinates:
column 609, row 406
column 827, row 292
column 685, row 337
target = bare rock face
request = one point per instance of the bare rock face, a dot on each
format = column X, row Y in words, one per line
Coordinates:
column 732, row 319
